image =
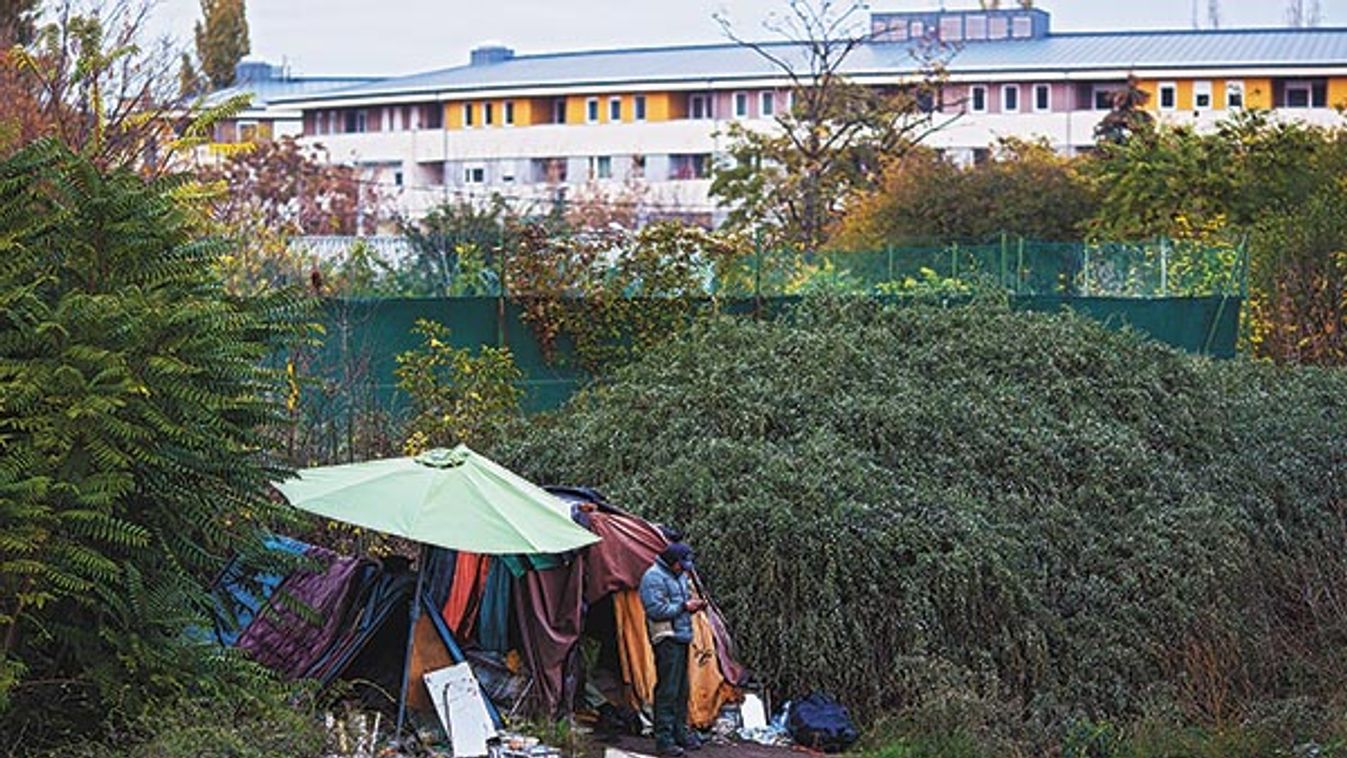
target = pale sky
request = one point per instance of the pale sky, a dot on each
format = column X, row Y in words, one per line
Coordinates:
column 391, row 37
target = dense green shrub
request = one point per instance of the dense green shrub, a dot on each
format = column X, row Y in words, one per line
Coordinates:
column 133, row 461
column 1027, row 517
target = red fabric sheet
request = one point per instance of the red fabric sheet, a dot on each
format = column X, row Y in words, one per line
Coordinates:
column 617, row 562
column 465, row 595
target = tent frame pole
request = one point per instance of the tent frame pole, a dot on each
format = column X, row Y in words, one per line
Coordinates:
column 414, row 615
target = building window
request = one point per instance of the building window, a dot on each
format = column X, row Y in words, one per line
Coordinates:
column 638, row 166
column 638, row 108
column 488, row 113
column 615, row 109
column 951, row 28
column 977, row 98
column 741, row 105
column 247, row 131
column 998, row 27
column 1105, row 96
column 693, row 166
column 1234, row 95
column 918, row 29
column 767, row 105
column 1201, row 96
column 549, row 170
column 1169, row 96
column 509, row 112
column 1042, row 97
column 1010, row 98
column 592, row 110
column 559, row 110
column 790, row 102
column 600, row 167
column 321, row 123
column 699, row 106
column 467, row 114
column 975, row 27
column 397, row 178
column 1022, row 27
column 407, row 117
column 1298, row 95
column 433, row 118
column 507, row 172
column 474, row 174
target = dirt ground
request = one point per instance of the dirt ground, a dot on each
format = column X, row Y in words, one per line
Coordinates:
column 637, row 746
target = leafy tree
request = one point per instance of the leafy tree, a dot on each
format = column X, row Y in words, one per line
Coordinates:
column 457, row 397
column 792, row 180
column 1274, row 184
column 270, row 193
column 221, row 39
column 132, row 456
column 1024, row 189
column 457, row 248
column 189, row 79
column 1127, row 116
column 18, row 21
column 94, row 82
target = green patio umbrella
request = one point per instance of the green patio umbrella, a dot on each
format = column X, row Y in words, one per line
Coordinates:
column 455, row 499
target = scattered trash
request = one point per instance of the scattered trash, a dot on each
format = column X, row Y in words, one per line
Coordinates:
column 773, row 733
column 522, row 746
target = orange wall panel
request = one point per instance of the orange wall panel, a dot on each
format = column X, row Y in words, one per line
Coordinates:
column 1337, row 92
column 1258, row 93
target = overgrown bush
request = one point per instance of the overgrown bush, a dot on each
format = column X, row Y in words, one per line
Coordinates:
column 1026, row 517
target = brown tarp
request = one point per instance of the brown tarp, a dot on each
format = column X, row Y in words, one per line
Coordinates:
column 548, row 606
column 707, row 689
column 619, row 560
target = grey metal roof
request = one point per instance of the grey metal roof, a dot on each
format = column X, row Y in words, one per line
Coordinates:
column 265, row 91
column 1057, row 52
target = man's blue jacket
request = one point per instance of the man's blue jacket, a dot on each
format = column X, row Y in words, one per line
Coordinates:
column 664, row 595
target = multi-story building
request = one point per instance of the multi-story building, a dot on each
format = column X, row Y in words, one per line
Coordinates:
column 537, row 126
column 264, row 83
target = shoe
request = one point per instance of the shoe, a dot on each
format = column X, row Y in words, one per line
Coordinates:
column 672, row 751
column 693, row 742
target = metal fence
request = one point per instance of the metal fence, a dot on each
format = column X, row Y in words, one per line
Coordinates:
column 1156, row 268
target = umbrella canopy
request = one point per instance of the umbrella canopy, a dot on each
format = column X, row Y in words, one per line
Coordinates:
column 455, row 499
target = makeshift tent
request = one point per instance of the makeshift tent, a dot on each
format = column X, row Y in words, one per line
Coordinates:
column 452, row 499
column 519, row 619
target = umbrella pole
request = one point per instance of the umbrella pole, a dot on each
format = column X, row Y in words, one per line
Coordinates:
column 414, row 616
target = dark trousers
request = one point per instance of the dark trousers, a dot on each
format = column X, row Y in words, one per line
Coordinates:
column 671, row 693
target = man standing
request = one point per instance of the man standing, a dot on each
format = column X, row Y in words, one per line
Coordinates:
column 669, row 606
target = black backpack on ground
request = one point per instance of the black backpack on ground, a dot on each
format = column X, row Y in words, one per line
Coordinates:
column 818, row 722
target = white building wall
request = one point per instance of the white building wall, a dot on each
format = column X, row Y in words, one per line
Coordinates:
column 432, row 161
